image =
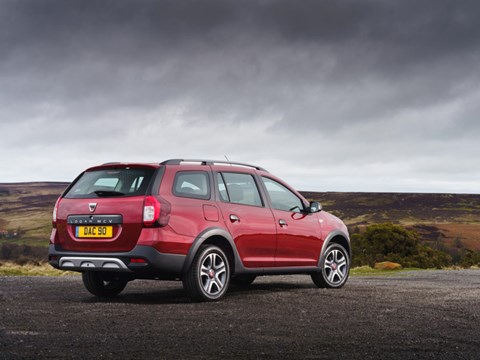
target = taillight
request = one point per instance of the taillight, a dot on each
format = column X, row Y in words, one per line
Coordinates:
column 55, row 210
column 151, row 211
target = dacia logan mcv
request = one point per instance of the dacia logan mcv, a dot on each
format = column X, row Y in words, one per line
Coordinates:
column 206, row 223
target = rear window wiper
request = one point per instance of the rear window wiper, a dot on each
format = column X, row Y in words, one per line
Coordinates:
column 106, row 193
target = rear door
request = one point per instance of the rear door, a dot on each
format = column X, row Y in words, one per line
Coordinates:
column 249, row 221
column 103, row 210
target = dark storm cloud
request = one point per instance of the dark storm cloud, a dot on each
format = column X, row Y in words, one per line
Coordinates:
column 418, row 27
column 425, row 28
column 246, row 55
column 103, row 51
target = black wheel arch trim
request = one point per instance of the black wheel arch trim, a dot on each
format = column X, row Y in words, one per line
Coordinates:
column 328, row 241
column 204, row 236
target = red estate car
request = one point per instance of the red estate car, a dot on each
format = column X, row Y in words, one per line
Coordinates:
column 207, row 223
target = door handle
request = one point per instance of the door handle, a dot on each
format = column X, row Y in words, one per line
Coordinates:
column 234, row 218
column 282, row 222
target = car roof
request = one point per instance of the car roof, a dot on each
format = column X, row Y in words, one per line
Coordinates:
column 210, row 162
column 187, row 162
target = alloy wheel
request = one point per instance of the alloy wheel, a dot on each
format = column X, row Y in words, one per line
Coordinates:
column 213, row 274
column 335, row 266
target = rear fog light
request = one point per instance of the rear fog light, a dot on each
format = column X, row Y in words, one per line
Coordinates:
column 138, row 261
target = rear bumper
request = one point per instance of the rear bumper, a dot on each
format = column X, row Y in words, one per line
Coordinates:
column 156, row 263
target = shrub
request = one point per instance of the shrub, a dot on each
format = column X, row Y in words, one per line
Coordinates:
column 390, row 242
column 23, row 254
column 470, row 258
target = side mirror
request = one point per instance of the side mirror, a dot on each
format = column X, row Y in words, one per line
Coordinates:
column 314, row 207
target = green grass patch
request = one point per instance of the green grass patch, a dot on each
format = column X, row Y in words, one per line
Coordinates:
column 369, row 271
column 45, row 269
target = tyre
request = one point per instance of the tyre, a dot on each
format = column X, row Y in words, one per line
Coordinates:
column 334, row 268
column 243, row 280
column 209, row 275
column 104, row 284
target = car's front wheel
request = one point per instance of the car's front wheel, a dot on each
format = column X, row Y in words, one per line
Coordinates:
column 209, row 275
column 104, row 284
column 334, row 268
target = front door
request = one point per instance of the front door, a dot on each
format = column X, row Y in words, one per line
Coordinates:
column 298, row 233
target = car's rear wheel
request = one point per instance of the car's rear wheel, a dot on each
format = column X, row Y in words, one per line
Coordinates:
column 104, row 284
column 243, row 280
column 334, row 268
column 209, row 275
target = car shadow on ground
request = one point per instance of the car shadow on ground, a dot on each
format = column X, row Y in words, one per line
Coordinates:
column 179, row 296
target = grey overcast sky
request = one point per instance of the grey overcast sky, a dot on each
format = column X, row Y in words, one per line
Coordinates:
column 371, row 95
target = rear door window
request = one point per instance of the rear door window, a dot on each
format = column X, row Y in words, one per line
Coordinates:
column 239, row 189
column 192, row 184
column 111, row 182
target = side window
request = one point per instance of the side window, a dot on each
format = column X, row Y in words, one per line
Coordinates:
column 136, row 184
column 281, row 197
column 107, row 183
column 192, row 184
column 239, row 189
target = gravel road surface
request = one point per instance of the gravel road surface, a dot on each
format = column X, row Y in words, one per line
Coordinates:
column 412, row 315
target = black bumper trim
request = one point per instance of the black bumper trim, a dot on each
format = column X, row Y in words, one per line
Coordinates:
column 158, row 263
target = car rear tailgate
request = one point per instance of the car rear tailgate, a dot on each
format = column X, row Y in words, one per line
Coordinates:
column 114, row 224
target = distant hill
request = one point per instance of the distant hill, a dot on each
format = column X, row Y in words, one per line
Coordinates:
column 449, row 221
column 404, row 208
column 443, row 220
column 26, row 209
column 26, row 219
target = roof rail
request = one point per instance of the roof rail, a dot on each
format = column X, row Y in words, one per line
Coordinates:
column 209, row 162
column 112, row 163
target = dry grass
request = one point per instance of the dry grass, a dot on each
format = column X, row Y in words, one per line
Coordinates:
column 387, row 265
column 12, row 269
column 468, row 234
column 44, row 269
column 369, row 271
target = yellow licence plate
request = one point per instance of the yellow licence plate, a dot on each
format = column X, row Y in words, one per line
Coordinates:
column 94, row 232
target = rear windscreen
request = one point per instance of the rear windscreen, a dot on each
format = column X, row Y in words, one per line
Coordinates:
column 111, row 183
